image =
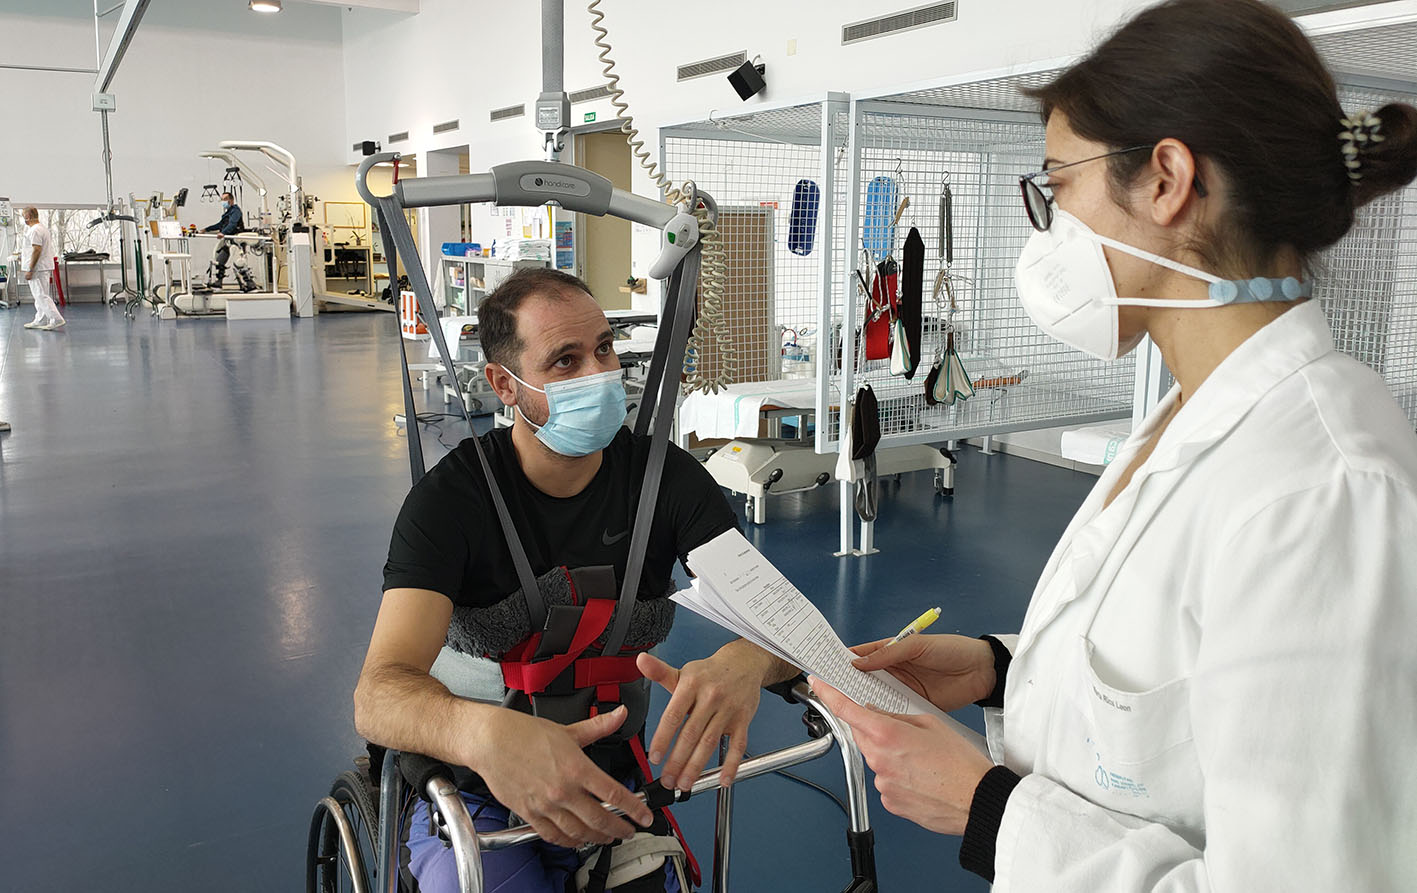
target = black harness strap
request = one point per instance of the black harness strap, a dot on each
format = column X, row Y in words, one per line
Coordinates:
column 677, row 316
column 398, row 238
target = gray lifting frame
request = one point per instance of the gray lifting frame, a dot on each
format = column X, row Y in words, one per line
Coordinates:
column 533, row 184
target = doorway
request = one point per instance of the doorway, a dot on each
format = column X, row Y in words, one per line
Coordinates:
column 603, row 249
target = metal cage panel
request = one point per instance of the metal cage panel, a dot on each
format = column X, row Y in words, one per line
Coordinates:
column 751, row 164
column 982, row 152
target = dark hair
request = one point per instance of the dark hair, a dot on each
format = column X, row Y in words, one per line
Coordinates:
column 497, row 314
column 1239, row 83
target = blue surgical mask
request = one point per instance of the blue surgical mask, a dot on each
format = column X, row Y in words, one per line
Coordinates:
column 226, row 206
column 583, row 414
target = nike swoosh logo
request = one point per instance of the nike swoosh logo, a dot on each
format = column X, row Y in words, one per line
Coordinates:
column 609, row 540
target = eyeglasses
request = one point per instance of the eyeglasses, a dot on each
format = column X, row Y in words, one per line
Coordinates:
column 1040, row 205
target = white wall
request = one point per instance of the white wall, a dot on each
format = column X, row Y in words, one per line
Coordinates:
column 197, row 72
column 463, row 58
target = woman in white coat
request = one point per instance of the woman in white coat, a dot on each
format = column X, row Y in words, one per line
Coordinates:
column 1215, row 685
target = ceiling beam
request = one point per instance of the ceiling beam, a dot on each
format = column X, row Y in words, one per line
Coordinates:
column 390, row 5
column 123, row 33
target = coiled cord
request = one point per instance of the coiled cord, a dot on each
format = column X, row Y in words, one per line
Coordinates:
column 711, row 325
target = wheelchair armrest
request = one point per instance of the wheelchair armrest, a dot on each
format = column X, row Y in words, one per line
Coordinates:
column 443, row 795
column 418, row 770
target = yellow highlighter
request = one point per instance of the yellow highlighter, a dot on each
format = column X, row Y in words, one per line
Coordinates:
column 918, row 624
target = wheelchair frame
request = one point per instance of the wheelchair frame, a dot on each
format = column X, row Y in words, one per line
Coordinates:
column 451, row 816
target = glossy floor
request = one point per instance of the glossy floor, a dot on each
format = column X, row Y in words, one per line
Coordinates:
column 193, row 517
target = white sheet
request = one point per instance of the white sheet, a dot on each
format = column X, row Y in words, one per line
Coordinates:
column 733, row 412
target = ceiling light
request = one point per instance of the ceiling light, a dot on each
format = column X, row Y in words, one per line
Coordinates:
column 264, row 5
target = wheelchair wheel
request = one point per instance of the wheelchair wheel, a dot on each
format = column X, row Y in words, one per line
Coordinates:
column 342, row 855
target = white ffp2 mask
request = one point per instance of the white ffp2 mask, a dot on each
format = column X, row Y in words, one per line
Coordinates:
column 1066, row 286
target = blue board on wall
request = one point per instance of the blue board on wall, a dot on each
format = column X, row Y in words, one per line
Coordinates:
column 802, row 224
column 877, row 230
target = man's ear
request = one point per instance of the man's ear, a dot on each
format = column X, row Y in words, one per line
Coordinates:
column 503, row 385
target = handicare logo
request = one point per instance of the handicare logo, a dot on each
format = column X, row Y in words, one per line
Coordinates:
column 556, row 184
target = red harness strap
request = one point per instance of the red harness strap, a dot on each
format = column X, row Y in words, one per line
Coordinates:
column 694, row 873
column 521, row 673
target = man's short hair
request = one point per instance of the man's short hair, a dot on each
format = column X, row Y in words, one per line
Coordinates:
column 29, row 212
column 497, row 314
column 228, row 195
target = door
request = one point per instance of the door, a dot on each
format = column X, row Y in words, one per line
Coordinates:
column 603, row 260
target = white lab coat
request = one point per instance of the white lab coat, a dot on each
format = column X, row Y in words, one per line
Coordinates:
column 1215, row 686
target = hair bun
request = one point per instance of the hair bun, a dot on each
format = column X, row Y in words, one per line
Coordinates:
column 1380, row 150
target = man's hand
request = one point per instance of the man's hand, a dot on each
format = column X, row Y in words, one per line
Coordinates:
column 711, row 698
column 29, row 274
column 536, row 769
column 925, row 771
column 948, row 671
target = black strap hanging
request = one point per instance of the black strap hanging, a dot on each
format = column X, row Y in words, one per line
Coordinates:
column 399, row 239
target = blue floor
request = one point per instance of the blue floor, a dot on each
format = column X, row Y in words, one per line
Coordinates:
column 193, row 518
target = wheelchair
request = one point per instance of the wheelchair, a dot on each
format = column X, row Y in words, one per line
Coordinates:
column 353, row 847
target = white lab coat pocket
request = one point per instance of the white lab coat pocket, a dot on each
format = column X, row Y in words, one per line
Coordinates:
column 1142, row 749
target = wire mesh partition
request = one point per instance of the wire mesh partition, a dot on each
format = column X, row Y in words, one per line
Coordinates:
column 1368, row 281
column 974, row 137
column 757, row 167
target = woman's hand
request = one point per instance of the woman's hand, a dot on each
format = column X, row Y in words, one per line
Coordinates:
column 948, row 671
column 710, row 698
column 925, row 771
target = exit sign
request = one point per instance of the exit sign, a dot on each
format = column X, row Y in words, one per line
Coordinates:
column 590, row 117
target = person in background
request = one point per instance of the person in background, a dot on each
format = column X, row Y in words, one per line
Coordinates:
column 229, row 225
column 37, row 263
column 1213, row 686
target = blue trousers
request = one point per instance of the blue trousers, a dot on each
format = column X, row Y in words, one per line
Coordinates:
column 536, row 867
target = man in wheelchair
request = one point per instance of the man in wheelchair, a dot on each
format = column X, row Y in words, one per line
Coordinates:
column 571, row 477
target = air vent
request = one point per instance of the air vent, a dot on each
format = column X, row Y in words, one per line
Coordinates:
column 511, row 111
column 399, row 137
column 446, row 126
column 711, row 66
column 592, row 93
column 907, row 20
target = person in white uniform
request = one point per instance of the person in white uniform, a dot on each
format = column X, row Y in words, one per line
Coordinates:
column 1215, row 684
column 37, row 263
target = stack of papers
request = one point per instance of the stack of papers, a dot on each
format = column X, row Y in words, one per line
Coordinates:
column 741, row 591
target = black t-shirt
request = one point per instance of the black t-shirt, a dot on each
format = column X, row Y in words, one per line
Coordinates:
column 448, row 538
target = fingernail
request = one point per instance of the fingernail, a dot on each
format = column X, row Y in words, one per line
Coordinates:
column 654, row 756
column 667, row 781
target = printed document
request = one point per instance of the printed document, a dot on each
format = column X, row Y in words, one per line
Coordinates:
column 740, row 590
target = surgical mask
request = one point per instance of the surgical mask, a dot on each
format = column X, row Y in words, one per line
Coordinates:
column 583, row 414
column 226, row 206
column 1067, row 288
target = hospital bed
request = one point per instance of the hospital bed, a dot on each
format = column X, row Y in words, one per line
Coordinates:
column 760, row 459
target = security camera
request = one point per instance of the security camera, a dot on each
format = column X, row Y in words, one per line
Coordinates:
column 748, row 80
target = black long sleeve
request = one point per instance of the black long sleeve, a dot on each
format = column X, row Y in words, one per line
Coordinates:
column 1002, row 657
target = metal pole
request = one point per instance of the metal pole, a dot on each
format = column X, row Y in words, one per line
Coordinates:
column 387, row 881
column 107, row 159
column 553, row 46
column 723, row 828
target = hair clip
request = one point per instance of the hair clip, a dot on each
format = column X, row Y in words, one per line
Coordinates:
column 1358, row 133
